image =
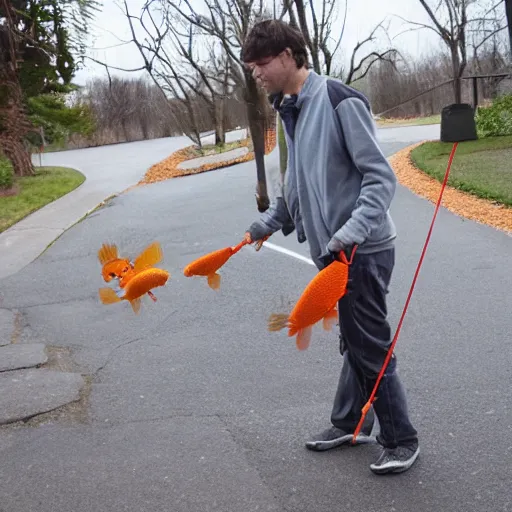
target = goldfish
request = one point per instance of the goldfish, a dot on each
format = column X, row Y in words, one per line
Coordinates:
column 210, row 263
column 112, row 266
column 136, row 279
column 118, row 268
column 140, row 284
column 317, row 302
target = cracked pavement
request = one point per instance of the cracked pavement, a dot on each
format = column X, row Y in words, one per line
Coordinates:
column 194, row 406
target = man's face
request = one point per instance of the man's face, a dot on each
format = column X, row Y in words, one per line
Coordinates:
column 272, row 73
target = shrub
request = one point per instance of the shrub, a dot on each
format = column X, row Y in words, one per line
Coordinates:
column 496, row 119
column 6, row 174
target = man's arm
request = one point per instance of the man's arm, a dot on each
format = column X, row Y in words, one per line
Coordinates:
column 270, row 221
column 379, row 181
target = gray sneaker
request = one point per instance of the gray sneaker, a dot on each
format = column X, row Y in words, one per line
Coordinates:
column 334, row 437
column 396, row 460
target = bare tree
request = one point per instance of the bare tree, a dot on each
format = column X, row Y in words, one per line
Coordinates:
column 213, row 71
column 161, row 66
column 452, row 21
column 315, row 21
column 229, row 22
column 364, row 64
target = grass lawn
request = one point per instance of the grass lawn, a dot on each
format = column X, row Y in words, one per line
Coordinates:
column 413, row 121
column 481, row 167
column 46, row 186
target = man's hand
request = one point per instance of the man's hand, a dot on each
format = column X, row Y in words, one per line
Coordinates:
column 335, row 246
column 256, row 234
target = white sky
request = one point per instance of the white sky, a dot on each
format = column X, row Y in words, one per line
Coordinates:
column 111, row 25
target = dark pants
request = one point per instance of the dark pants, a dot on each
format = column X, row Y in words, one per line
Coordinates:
column 365, row 337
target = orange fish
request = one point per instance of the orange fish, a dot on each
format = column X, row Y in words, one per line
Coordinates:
column 317, row 302
column 112, row 266
column 119, row 268
column 210, row 263
column 140, row 284
column 139, row 279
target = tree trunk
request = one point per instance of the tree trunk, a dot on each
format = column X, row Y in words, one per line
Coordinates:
column 457, row 84
column 313, row 48
column 283, row 149
column 256, row 120
column 508, row 9
column 220, row 134
column 18, row 155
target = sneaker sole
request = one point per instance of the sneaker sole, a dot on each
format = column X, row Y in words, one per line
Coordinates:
column 321, row 446
column 391, row 467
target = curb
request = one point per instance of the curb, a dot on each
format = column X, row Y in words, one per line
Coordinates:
column 168, row 168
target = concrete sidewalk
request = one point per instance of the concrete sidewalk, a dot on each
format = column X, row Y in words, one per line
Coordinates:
column 27, row 239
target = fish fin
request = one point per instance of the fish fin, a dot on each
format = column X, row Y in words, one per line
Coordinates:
column 149, row 257
column 304, row 338
column 214, row 281
column 108, row 296
column 107, row 252
column 277, row 322
column 330, row 319
column 135, row 304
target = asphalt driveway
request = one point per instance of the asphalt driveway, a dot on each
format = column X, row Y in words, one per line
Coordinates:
column 194, row 406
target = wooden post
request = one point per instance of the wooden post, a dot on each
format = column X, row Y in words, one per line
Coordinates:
column 508, row 10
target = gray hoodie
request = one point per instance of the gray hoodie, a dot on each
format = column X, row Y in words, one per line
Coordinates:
column 338, row 183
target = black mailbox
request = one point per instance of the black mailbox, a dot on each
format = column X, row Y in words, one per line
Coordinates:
column 458, row 123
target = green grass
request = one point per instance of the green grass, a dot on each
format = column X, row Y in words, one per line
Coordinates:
column 46, row 186
column 413, row 121
column 481, row 167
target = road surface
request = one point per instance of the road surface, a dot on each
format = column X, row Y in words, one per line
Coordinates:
column 194, row 406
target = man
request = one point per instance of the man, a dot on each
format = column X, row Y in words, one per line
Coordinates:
column 336, row 194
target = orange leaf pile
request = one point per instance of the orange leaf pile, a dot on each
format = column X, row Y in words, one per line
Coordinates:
column 168, row 168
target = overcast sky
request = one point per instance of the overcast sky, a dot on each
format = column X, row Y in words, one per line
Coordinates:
column 111, row 26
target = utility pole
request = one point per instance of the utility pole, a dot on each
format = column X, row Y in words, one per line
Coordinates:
column 508, row 9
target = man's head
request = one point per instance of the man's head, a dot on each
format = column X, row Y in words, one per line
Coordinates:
column 274, row 52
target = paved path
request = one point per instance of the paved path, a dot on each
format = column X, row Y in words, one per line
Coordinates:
column 194, row 406
column 108, row 170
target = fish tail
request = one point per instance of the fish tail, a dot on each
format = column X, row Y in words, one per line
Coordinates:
column 304, row 338
column 107, row 252
column 214, row 281
column 135, row 304
column 330, row 319
column 277, row 322
column 108, row 296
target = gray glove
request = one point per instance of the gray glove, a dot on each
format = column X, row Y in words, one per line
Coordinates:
column 335, row 246
column 258, row 231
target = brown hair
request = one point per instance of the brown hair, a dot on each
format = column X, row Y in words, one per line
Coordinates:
column 269, row 38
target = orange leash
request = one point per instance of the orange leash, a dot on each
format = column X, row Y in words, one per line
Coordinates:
column 368, row 404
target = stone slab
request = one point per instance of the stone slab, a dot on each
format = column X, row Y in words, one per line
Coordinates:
column 213, row 159
column 6, row 326
column 26, row 393
column 15, row 357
